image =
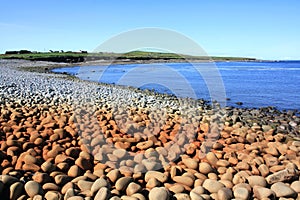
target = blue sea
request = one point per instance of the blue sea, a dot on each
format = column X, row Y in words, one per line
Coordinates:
column 255, row 84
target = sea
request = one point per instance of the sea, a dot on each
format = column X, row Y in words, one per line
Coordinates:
column 239, row 84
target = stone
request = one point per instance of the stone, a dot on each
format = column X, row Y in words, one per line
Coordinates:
column 16, row 190
column 198, row 189
column 62, row 179
column 205, row 168
column 74, row 171
column 138, row 196
column 50, row 186
column 41, row 177
column 122, row 183
column 212, row 158
column 153, row 182
column 99, row 183
column 102, row 194
column 160, row 193
column 225, row 194
column 84, row 163
column 195, row 196
column 184, row 180
column 114, row 175
column 53, row 195
column 48, row 167
column 241, row 193
column 69, row 193
column 257, row 180
column 8, row 180
column 144, row 145
column 85, row 185
column 161, row 177
column 262, row 192
column 133, row 188
column 75, row 198
column 33, row 188
column 177, row 188
column 182, row 196
column 282, row 190
column 296, row 186
column 264, row 170
column 190, row 163
column 282, row 176
column 213, row 186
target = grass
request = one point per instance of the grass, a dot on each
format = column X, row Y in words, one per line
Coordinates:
column 134, row 55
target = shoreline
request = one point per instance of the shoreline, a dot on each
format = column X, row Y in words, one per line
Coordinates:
column 64, row 137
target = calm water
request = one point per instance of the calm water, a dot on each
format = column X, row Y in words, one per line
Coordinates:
column 256, row 84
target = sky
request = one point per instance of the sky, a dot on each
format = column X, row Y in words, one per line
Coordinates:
column 264, row 29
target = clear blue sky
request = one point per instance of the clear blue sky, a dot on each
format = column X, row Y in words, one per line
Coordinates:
column 267, row 29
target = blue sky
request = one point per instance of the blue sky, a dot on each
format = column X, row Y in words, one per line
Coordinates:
column 266, row 29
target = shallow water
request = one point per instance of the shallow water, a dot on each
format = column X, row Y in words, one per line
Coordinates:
column 255, row 84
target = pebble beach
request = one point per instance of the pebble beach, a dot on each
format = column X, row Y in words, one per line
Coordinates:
column 62, row 138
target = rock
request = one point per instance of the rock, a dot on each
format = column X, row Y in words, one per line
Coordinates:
column 48, row 167
column 205, row 168
column 257, row 180
column 53, row 195
column 182, row 196
column 69, row 193
column 296, row 186
column 198, row 190
column 16, row 190
column 190, row 163
column 144, row 145
column 133, row 188
column 225, row 194
column 33, row 188
column 99, row 183
column 282, row 190
column 184, row 180
column 264, row 170
column 177, row 188
column 85, row 185
column 75, row 198
column 160, row 193
column 161, row 177
column 74, row 171
column 212, row 186
column 122, row 183
column 241, row 193
column 84, row 163
column 50, row 186
column 62, row 179
column 212, row 158
column 138, row 196
column 195, row 196
column 262, row 192
column 102, row 194
column 282, row 176
column 41, row 177
column 8, row 180
column 114, row 175
column 120, row 153
column 153, row 182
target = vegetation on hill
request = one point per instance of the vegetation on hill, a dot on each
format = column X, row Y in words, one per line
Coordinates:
column 72, row 57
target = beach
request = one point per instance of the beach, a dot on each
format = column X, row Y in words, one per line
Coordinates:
column 65, row 138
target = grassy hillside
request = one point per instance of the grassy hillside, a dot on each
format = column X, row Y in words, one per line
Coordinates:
column 135, row 55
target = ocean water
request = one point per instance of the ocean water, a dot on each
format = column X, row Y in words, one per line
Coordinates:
column 255, row 84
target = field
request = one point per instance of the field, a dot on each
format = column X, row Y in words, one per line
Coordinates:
column 73, row 57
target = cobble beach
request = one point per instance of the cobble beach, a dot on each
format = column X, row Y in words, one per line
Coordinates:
column 64, row 138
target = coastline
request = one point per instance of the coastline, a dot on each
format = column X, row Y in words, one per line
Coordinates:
column 77, row 134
